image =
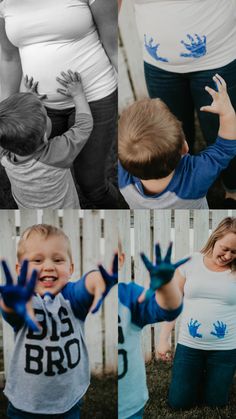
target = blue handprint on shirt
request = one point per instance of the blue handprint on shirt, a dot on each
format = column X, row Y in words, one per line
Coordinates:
column 152, row 49
column 196, row 47
column 220, row 329
column 193, row 327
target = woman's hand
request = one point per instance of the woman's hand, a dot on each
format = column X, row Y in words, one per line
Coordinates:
column 164, row 351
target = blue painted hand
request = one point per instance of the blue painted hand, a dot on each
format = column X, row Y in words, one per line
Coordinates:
column 220, row 329
column 196, row 47
column 193, row 326
column 109, row 279
column 152, row 49
column 17, row 296
column 162, row 271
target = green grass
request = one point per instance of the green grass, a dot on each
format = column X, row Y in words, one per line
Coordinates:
column 158, row 377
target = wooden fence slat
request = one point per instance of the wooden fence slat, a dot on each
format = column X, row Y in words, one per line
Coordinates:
column 125, row 239
column 126, row 96
column 131, row 42
column 111, row 303
column 91, row 250
column 27, row 219
column 8, row 252
column 201, row 228
column 71, row 227
column 50, row 216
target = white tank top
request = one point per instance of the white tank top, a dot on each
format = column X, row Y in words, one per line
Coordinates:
column 208, row 320
column 187, row 35
column 54, row 36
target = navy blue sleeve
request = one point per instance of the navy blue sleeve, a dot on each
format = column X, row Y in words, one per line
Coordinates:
column 13, row 320
column 147, row 312
column 80, row 299
column 196, row 174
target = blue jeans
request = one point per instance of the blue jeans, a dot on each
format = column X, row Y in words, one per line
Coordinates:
column 201, row 377
column 138, row 415
column 183, row 93
column 90, row 165
column 73, row 413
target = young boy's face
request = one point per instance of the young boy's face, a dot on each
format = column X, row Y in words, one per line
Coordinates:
column 51, row 259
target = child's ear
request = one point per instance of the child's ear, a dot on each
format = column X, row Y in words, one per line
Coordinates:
column 71, row 268
column 185, row 148
column 45, row 138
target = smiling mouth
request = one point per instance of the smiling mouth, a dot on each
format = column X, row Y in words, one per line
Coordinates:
column 48, row 279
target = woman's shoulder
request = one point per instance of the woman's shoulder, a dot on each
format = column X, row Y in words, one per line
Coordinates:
column 2, row 7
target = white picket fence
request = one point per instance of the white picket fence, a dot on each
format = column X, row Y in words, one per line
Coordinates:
column 93, row 236
column 139, row 230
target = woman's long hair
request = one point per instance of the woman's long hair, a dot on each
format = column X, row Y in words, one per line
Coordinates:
column 227, row 225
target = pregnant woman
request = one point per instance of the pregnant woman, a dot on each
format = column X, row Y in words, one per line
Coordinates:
column 186, row 42
column 44, row 38
column 205, row 357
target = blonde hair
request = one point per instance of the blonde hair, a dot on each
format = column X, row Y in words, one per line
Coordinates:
column 44, row 230
column 227, row 225
column 150, row 139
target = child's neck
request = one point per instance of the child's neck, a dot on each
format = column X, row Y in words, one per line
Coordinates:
column 154, row 186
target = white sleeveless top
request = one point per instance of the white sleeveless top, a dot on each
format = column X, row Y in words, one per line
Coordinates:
column 187, row 35
column 54, row 36
column 208, row 320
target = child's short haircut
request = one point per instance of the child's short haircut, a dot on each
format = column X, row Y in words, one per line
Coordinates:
column 150, row 139
column 44, row 230
column 22, row 123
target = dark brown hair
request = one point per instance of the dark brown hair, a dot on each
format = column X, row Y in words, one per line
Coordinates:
column 150, row 139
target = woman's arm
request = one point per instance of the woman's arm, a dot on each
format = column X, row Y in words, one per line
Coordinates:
column 10, row 65
column 105, row 15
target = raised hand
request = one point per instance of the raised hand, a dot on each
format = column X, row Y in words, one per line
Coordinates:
column 162, row 271
column 196, row 47
column 152, row 49
column 17, row 296
column 220, row 329
column 72, row 83
column 193, row 327
column 109, row 279
column 221, row 104
column 32, row 87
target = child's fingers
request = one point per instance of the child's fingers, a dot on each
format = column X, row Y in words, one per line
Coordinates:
column 23, row 273
column 9, row 279
column 211, row 92
column 62, row 82
column 208, row 109
column 97, row 302
column 141, row 298
column 72, row 75
column 78, row 78
column 221, row 80
column 63, row 92
column 66, row 76
column 146, row 261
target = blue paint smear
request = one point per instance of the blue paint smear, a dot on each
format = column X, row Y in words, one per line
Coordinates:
column 152, row 49
column 193, row 326
column 196, row 46
column 220, row 329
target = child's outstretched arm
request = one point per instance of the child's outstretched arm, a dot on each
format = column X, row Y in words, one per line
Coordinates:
column 101, row 289
column 16, row 297
column 222, row 106
column 161, row 273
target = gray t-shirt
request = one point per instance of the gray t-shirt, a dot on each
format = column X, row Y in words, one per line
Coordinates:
column 49, row 370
